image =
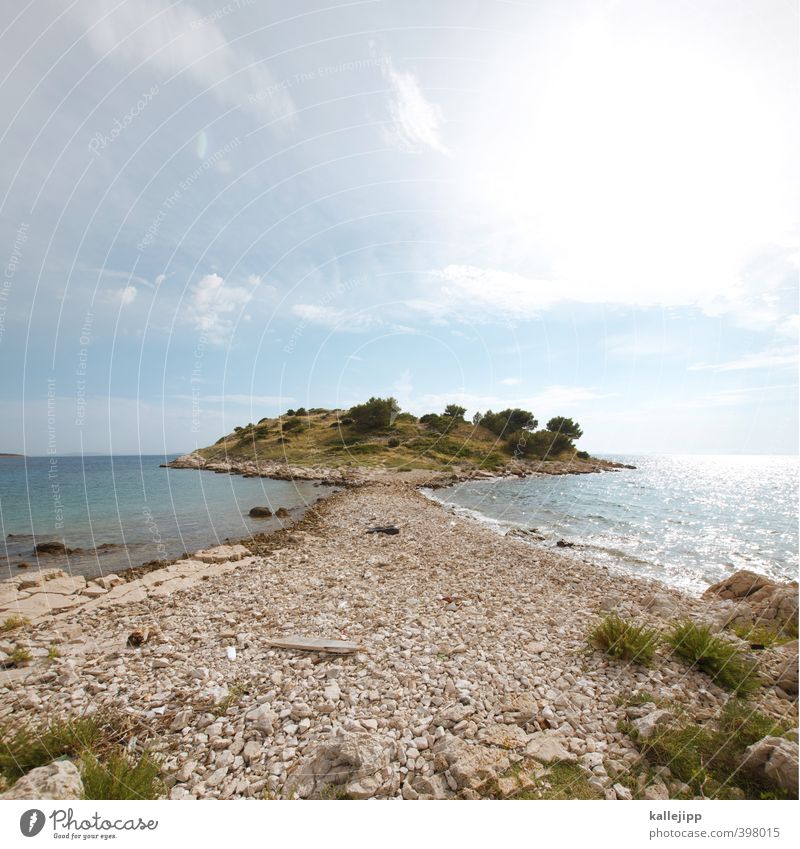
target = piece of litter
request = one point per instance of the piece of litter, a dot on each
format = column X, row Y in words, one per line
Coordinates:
column 231, row 652
column 305, row 644
column 385, row 529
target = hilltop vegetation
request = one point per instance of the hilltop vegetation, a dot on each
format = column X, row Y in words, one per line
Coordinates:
column 378, row 433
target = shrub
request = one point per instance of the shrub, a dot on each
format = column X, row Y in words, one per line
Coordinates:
column 290, row 412
column 393, row 442
column 622, row 639
column 375, row 414
column 583, row 455
column 566, row 427
column 539, row 445
column 301, row 411
column 12, row 623
column 508, row 421
column 455, row 411
column 717, row 657
column 121, row 776
column 292, row 424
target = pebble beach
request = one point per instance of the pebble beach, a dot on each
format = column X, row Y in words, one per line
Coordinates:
column 470, row 659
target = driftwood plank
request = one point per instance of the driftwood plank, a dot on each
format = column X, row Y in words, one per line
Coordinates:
column 307, row 644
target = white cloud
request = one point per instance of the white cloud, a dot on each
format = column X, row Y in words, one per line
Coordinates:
column 177, row 40
column 416, row 122
column 333, row 318
column 127, row 295
column 510, row 381
column 211, row 302
column 776, row 358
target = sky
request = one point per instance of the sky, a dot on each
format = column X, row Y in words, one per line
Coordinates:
column 214, row 211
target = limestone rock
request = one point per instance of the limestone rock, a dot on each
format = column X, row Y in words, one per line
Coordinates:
column 57, row 780
column 739, row 585
column 356, row 763
column 470, row 766
column 657, row 720
column 452, row 715
column 786, row 676
column 504, row 736
column 221, row 554
column 775, row 760
column 546, row 747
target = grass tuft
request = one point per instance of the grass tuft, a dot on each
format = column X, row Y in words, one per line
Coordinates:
column 121, row 776
column 97, row 741
column 718, row 658
column 624, row 640
column 707, row 757
column 12, row 623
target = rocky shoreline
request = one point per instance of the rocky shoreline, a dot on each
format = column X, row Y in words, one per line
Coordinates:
column 471, row 675
column 357, row 475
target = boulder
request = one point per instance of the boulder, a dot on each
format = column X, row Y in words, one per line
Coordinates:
column 355, row 765
column 108, row 582
column 504, row 736
column 282, row 513
column 57, row 780
column 522, row 708
column 786, row 676
column 648, row 724
column 774, row 760
column 51, row 548
column 547, row 747
column 470, row 766
column 221, row 554
column 452, row 715
column 739, row 585
column 260, row 512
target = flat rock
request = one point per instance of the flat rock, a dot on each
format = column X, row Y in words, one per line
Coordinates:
column 58, row 780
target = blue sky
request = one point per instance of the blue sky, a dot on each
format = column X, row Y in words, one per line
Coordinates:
column 214, row 211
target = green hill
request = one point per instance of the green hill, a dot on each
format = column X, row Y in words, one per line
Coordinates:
column 332, row 438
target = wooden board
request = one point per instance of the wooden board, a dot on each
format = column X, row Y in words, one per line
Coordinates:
column 307, row 644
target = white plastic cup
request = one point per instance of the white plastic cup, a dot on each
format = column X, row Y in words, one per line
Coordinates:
column 231, row 652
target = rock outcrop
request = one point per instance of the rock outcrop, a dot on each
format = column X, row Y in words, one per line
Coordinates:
column 761, row 600
column 774, row 761
column 58, row 780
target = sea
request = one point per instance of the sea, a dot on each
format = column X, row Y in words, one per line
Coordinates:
column 686, row 520
column 123, row 511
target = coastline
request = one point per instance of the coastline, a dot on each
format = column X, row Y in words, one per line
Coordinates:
column 474, row 661
column 357, row 475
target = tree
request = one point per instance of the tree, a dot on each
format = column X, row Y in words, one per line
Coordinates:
column 540, row 445
column 509, row 421
column 374, row 414
column 566, row 427
column 455, row 412
column 476, row 419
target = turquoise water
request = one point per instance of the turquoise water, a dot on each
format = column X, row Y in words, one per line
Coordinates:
column 138, row 510
column 685, row 520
